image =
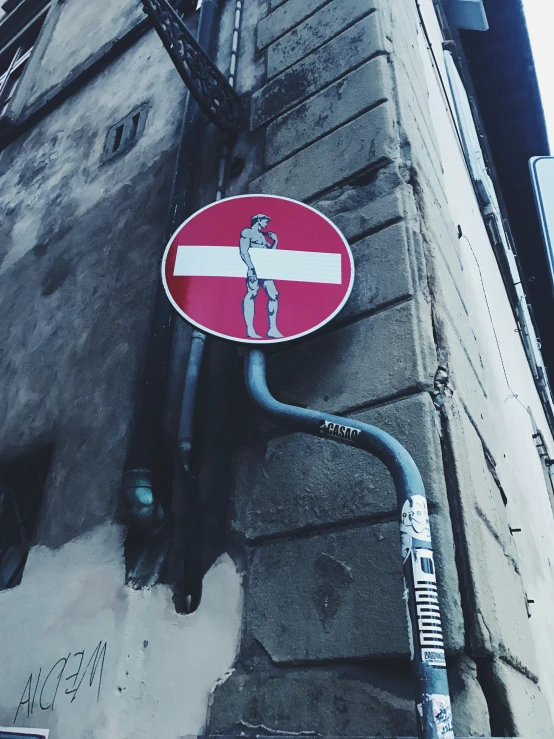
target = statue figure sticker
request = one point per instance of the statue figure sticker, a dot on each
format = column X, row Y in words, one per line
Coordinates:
column 258, row 269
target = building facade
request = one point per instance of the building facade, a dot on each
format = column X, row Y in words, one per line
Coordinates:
column 259, row 589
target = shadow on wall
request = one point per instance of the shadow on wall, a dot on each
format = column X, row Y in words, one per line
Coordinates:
column 22, row 486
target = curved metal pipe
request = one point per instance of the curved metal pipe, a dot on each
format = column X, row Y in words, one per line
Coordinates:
column 385, row 447
column 420, row 592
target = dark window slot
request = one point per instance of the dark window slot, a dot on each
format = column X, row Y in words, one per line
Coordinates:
column 134, row 125
column 125, row 133
column 117, row 138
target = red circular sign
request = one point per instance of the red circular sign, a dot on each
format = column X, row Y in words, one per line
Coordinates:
column 258, row 269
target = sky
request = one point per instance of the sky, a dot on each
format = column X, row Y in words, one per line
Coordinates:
column 540, row 18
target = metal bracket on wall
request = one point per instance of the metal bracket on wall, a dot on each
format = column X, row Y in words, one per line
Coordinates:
column 207, row 84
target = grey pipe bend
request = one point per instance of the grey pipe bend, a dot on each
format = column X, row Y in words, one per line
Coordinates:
column 433, row 711
column 385, row 447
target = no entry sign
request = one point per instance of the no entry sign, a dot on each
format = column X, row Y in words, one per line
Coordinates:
column 258, row 269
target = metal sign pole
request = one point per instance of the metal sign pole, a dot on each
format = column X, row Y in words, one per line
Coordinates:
column 434, row 716
column 204, row 270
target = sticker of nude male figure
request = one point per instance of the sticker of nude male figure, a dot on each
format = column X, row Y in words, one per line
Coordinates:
column 254, row 238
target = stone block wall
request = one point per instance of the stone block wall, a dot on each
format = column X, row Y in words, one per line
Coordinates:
column 325, row 643
column 82, row 653
column 340, row 118
column 470, row 405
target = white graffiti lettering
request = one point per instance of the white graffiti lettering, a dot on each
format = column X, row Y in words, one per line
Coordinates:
column 337, row 431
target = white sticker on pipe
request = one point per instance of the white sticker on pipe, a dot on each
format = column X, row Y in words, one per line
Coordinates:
column 414, row 520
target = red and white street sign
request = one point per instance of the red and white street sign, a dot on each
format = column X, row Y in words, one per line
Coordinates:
column 258, row 269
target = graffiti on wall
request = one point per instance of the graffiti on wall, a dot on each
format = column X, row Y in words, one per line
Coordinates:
column 65, row 679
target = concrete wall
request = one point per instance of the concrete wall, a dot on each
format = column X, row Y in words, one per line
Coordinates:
column 83, row 237
column 86, row 656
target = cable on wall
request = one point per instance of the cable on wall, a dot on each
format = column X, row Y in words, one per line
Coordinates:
column 472, row 180
column 515, row 395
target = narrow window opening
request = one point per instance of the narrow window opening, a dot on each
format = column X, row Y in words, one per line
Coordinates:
column 125, row 133
column 134, row 125
column 117, row 138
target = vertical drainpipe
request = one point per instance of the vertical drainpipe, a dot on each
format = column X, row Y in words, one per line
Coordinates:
column 198, row 344
column 145, row 448
column 188, row 589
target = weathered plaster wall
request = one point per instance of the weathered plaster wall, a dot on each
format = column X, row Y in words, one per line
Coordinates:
column 78, row 33
column 80, row 243
column 86, row 656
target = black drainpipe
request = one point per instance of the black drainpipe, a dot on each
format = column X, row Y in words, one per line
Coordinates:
column 187, row 574
column 144, row 462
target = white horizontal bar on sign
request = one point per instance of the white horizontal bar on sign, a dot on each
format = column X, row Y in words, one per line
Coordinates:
column 270, row 264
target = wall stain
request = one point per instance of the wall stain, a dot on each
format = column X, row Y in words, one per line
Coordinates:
column 332, row 580
column 56, row 276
